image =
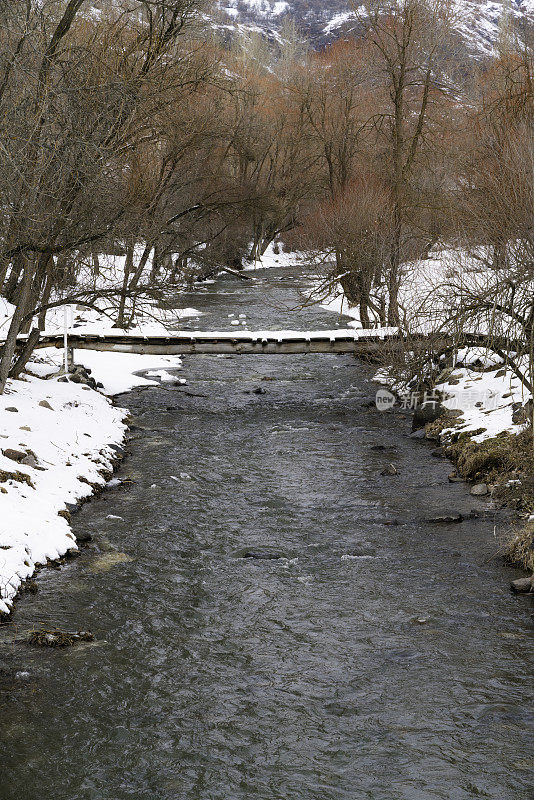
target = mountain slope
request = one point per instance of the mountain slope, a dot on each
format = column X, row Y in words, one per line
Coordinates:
column 325, row 20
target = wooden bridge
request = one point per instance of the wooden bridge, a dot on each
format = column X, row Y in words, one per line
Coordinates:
column 360, row 342
column 228, row 342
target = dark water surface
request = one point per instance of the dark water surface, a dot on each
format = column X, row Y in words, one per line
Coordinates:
column 307, row 677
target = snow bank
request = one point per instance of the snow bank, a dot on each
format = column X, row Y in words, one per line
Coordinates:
column 270, row 259
column 486, row 400
column 68, row 432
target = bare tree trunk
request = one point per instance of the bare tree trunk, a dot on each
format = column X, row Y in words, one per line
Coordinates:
column 10, row 344
column 128, row 266
column 13, row 278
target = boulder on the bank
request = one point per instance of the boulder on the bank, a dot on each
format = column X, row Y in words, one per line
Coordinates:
column 428, row 412
column 480, row 490
column 14, row 455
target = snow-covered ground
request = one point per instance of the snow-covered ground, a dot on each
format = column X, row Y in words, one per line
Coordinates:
column 272, row 259
column 55, row 439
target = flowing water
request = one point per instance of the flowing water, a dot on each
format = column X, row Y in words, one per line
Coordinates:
column 370, row 655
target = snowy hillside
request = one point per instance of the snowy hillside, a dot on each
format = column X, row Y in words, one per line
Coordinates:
column 325, row 20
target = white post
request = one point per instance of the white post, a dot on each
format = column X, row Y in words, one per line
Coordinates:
column 65, row 342
column 71, row 325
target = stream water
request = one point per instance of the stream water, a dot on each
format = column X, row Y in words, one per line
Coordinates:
column 369, row 656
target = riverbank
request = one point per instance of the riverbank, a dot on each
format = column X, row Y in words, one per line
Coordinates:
column 58, row 443
column 483, row 412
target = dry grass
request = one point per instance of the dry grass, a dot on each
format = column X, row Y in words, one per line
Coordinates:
column 506, row 462
column 520, row 549
column 494, row 459
column 20, row 477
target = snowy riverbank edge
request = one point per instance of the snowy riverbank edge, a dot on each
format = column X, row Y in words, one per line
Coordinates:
column 60, row 441
column 59, row 444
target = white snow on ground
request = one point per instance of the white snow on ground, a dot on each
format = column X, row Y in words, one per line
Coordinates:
column 486, row 400
column 117, row 371
column 338, row 20
column 338, row 304
column 271, row 259
column 70, row 441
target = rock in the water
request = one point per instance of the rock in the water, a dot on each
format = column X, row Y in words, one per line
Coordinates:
column 522, row 585
column 480, row 490
column 13, row 409
column 45, row 404
column 259, row 390
column 57, row 638
column 262, row 555
column 445, row 519
column 420, row 434
column 391, row 469
column 455, row 478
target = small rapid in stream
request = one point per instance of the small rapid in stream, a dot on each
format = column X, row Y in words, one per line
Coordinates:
column 274, row 619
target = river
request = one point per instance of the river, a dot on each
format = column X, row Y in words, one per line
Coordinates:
column 370, row 656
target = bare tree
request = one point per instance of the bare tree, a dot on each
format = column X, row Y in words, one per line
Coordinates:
column 407, row 43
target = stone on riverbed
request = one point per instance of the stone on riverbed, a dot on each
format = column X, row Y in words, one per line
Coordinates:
column 57, row 638
column 480, row 490
column 391, row 469
column 265, row 555
column 446, row 519
column 108, row 560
